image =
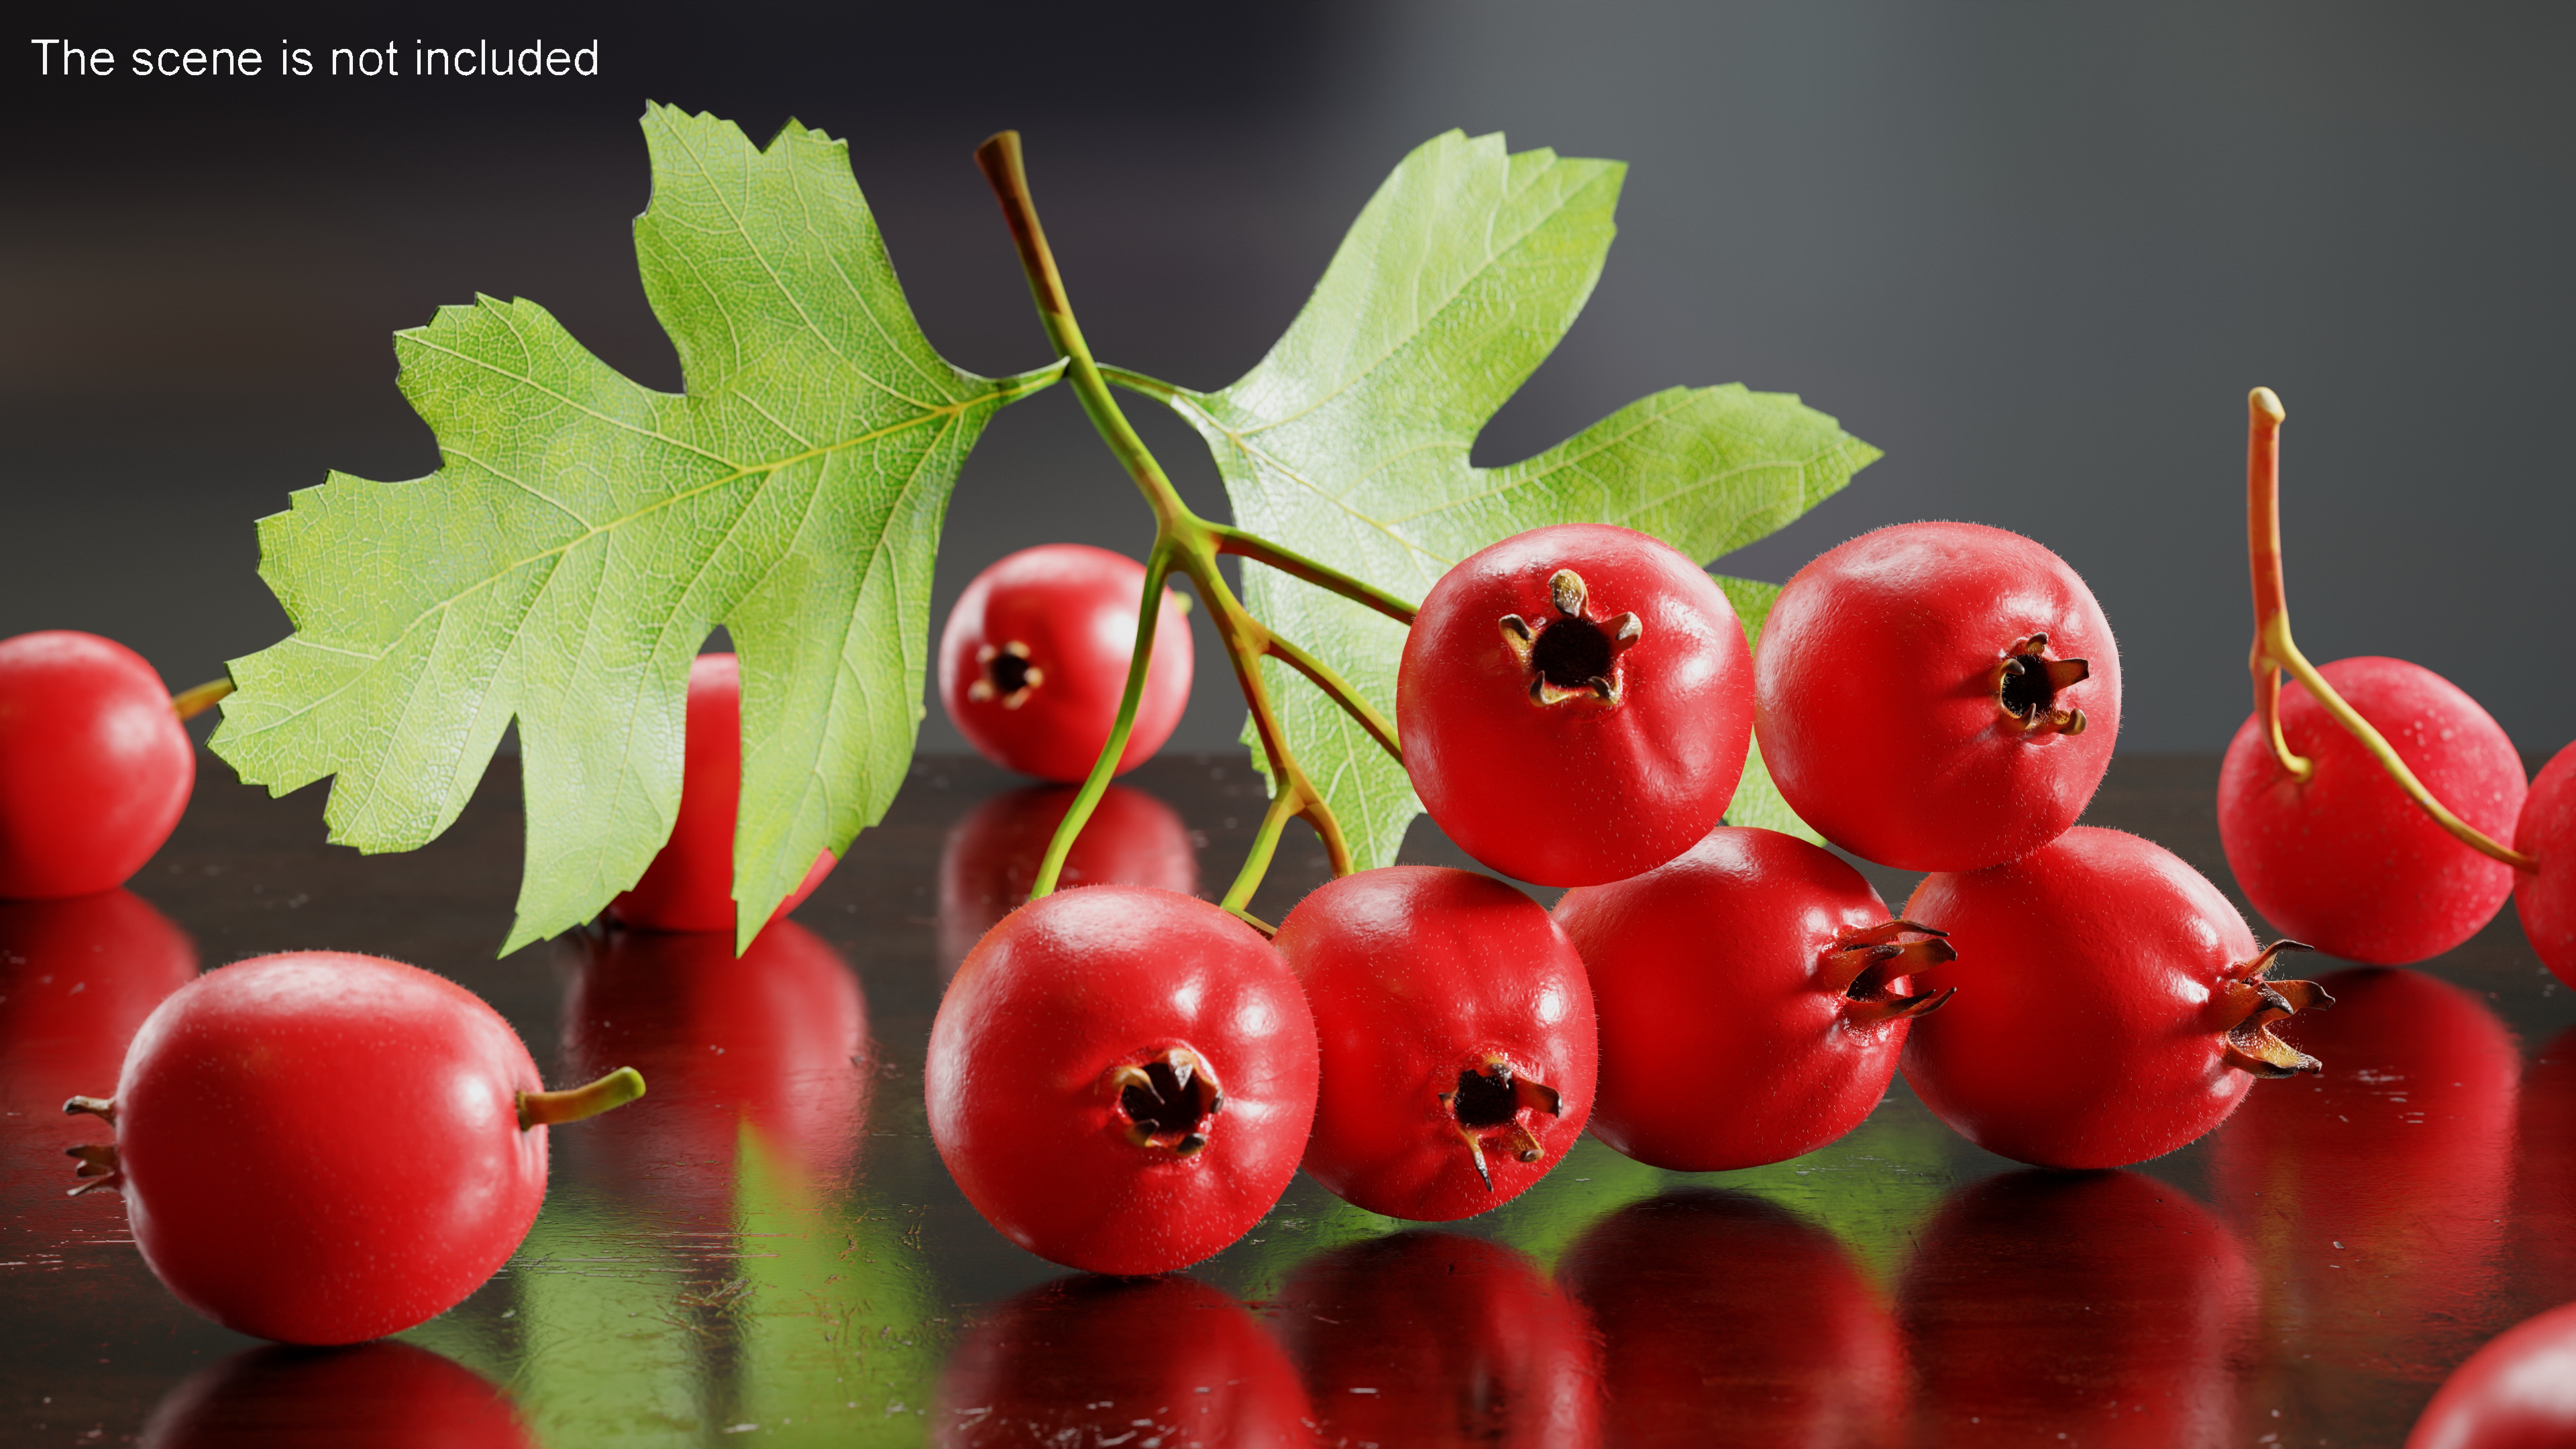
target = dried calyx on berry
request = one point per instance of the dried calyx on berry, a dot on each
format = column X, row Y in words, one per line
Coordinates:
column 98, row 1165
column 1007, row 675
column 1169, row 1101
column 1489, row 1104
column 2026, row 685
column 1863, row 964
column 2256, row 1002
column 1574, row 655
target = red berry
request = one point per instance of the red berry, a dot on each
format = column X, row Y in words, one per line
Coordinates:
column 689, row 885
column 2118, row 1006
column 383, row 1395
column 1937, row 696
column 2546, row 898
column 1101, row 1361
column 2518, row 1392
column 1717, row 1308
column 321, row 1148
column 1435, row 1339
column 2344, row 861
column 1766, row 973
column 1458, row 1040
column 2107, row 1306
column 2398, row 1261
column 773, row 1045
column 94, row 766
column 1034, row 658
column 1121, row 1079
column 1575, row 704
column 991, row 857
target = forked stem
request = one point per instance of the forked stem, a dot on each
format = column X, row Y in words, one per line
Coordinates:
column 1187, row 544
column 2274, row 650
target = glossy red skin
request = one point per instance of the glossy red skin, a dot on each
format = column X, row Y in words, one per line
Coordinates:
column 2106, row 1306
column 689, row 885
column 2345, row 862
column 773, row 1043
column 77, row 976
column 1575, row 794
column 1064, row 991
column 1092, row 1360
column 991, row 856
column 321, row 1147
column 2518, row 1392
column 1713, row 960
column 1436, row 1340
column 2546, row 898
column 1417, row 973
column 2375, row 1192
column 1718, row 1308
column 1877, row 715
column 2544, row 1188
column 1074, row 606
column 382, row 1395
column 95, row 767
column 2089, row 1029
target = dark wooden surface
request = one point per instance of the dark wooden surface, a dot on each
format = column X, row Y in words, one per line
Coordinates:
column 776, row 1255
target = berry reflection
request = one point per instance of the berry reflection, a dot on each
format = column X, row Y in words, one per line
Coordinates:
column 992, row 856
column 2374, row 1194
column 1093, row 1360
column 1722, row 1309
column 1435, row 1339
column 385, row 1395
column 77, row 976
column 774, row 1043
column 2105, row 1306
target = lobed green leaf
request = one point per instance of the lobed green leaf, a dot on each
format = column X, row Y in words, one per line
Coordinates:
column 585, row 534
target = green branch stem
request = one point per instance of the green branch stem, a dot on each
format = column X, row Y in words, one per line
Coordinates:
column 190, row 703
column 1187, row 544
column 2274, row 650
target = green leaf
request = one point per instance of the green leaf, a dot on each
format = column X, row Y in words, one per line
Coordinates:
column 1757, row 801
column 585, row 534
column 1349, row 442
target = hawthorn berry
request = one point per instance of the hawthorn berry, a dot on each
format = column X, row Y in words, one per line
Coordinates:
column 1937, row 696
column 2518, row 1392
column 1121, row 1079
column 2545, row 898
column 2343, row 860
column 321, row 1148
column 2121, row 1006
column 1575, row 704
column 689, row 885
column 1773, row 970
column 94, row 766
column 1033, row 661
column 1458, row 1043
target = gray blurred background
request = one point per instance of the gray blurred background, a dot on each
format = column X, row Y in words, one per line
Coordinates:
column 2036, row 251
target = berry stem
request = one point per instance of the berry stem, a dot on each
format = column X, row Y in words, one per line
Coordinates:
column 1265, row 843
column 1183, row 543
column 190, row 703
column 548, row 1109
column 2274, row 650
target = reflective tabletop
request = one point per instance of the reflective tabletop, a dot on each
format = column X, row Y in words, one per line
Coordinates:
column 767, row 1249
